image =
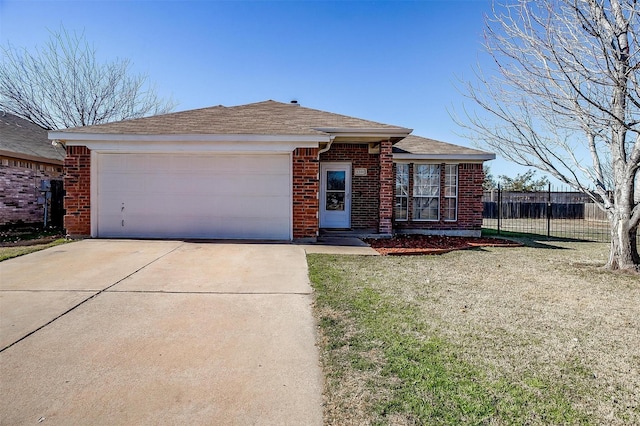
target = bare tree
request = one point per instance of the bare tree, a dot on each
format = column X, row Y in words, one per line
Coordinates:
column 64, row 85
column 565, row 99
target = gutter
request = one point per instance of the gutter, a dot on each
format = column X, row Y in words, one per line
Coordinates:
column 452, row 157
column 383, row 133
column 70, row 137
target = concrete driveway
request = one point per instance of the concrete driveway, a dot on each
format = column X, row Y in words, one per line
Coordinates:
column 158, row 332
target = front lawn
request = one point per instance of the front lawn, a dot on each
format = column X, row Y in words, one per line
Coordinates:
column 18, row 240
column 9, row 252
column 530, row 335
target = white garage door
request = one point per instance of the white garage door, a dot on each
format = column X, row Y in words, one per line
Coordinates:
column 194, row 196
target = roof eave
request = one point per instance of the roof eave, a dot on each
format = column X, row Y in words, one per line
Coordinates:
column 31, row 157
column 384, row 132
column 72, row 138
column 446, row 157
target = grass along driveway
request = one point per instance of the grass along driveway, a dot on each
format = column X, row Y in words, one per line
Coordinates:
column 9, row 252
column 20, row 240
column 488, row 336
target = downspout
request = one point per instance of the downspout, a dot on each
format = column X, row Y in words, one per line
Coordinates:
column 320, row 151
column 326, row 148
column 59, row 143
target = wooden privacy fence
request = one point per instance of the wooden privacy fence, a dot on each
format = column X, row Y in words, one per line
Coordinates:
column 593, row 212
column 539, row 210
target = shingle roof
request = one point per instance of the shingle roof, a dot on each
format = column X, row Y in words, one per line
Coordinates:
column 418, row 145
column 26, row 140
column 261, row 118
column 271, row 118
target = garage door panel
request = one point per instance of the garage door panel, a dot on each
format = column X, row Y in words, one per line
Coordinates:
column 211, row 184
column 194, row 196
column 118, row 182
column 268, row 207
column 216, row 185
column 227, row 228
column 230, row 207
column 183, row 204
column 246, row 185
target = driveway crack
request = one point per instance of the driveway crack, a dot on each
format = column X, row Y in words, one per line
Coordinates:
column 82, row 302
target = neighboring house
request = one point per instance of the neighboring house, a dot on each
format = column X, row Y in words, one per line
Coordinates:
column 26, row 158
column 266, row 170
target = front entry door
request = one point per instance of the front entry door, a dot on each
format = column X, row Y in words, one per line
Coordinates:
column 335, row 195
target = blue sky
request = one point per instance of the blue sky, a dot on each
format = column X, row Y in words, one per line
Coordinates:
column 395, row 62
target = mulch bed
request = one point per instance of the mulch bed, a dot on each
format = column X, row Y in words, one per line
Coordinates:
column 401, row 245
column 33, row 242
column 27, row 235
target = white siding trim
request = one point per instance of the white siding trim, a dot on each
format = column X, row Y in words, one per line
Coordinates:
column 93, row 193
column 462, row 158
column 75, row 138
column 193, row 147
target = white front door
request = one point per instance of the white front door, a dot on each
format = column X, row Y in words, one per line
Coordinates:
column 335, row 195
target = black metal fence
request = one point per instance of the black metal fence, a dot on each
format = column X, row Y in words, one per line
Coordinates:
column 563, row 214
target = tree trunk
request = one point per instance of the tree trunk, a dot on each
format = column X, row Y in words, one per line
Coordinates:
column 633, row 234
column 624, row 251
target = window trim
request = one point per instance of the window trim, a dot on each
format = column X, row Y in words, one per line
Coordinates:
column 415, row 197
column 455, row 197
column 396, row 196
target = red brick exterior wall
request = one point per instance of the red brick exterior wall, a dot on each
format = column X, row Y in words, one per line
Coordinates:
column 470, row 177
column 386, row 188
column 77, row 183
column 365, row 190
column 372, row 195
column 305, row 193
column 77, row 202
column 20, row 189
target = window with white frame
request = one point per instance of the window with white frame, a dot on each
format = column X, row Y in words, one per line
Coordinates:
column 426, row 192
column 450, row 202
column 401, row 209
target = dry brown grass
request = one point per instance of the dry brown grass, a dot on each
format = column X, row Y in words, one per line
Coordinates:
column 547, row 315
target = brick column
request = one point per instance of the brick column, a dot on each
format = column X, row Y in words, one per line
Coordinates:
column 305, row 193
column 77, row 183
column 470, row 178
column 386, row 188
